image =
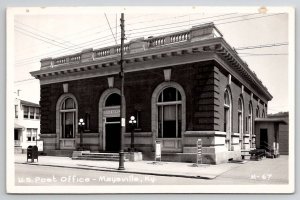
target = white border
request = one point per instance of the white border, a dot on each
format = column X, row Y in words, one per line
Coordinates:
column 10, row 175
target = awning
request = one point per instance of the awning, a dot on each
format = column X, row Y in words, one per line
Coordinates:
column 271, row 120
column 18, row 126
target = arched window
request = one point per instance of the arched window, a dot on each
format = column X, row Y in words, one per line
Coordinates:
column 227, row 117
column 250, row 122
column 257, row 112
column 68, row 118
column 241, row 121
column 113, row 100
column 240, row 115
column 169, row 105
column 227, row 107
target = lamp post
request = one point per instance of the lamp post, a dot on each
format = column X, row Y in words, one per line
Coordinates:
column 132, row 121
column 81, row 124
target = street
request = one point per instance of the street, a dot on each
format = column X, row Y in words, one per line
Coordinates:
column 267, row 171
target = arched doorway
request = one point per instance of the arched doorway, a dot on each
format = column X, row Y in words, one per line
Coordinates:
column 112, row 126
column 109, row 120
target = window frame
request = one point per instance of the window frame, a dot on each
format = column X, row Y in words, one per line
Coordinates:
column 228, row 118
column 31, row 113
column 250, row 122
column 37, row 115
column 16, row 111
column 161, row 105
column 154, row 110
column 240, row 116
column 62, row 114
column 25, row 114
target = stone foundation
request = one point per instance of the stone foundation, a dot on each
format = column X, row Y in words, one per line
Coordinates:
column 214, row 150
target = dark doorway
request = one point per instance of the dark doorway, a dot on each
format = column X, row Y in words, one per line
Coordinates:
column 112, row 131
column 264, row 138
column 16, row 136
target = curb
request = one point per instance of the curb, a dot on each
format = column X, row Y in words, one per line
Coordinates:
column 208, row 177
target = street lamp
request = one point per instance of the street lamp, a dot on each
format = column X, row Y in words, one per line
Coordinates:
column 132, row 121
column 81, row 124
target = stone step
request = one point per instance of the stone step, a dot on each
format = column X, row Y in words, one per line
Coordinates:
column 86, row 155
column 96, row 158
column 100, row 154
column 92, row 156
column 62, row 153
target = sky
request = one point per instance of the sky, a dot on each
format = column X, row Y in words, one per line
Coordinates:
column 52, row 35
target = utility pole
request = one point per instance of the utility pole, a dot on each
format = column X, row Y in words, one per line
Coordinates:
column 122, row 109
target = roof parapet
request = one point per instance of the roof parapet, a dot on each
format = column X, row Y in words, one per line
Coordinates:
column 196, row 33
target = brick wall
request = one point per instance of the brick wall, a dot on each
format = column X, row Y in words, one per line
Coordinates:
column 204, row 85
column 236, row 92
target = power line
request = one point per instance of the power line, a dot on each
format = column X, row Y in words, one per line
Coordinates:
column 34, row 60
column 175, row 24
column 175, row 27
column 262, row 46
column 271, row 54
column 159, row 19
column 39, row 38
column 110, row 29
column 64, row 51
column 251, row 18
column 43, row 32
column 185, row 21
column 24, row 80
column 97, row 27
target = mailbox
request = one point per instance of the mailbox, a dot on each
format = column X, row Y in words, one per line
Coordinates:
column 32, row 153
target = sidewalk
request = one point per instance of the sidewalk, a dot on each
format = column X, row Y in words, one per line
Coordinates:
column 174, row 169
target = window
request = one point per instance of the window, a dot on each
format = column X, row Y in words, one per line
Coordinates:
column 16, row 111
column 26, row 111
column 263, row 114
column 227, row 118
column 31, row 134
column 113, row 100
column 169, row 107
column 240, row 116
column 37, row 113
column 87, row 122
column 34, row 134
column 68, row 121
column 138, row 118
column 257, row 112
column 31, row 112
column 227, row 108
column 250, row 122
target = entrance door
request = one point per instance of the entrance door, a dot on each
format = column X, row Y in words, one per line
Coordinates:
column 264, row 138
column 17, row 138
column 112, row 131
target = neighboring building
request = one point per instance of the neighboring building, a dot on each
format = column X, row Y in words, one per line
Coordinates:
column 26, row 124
column 181, row 87
column 273, row 132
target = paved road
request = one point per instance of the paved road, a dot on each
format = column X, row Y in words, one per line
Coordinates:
column 268, row 171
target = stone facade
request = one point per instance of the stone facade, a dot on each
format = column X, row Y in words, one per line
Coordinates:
column 198, row 63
